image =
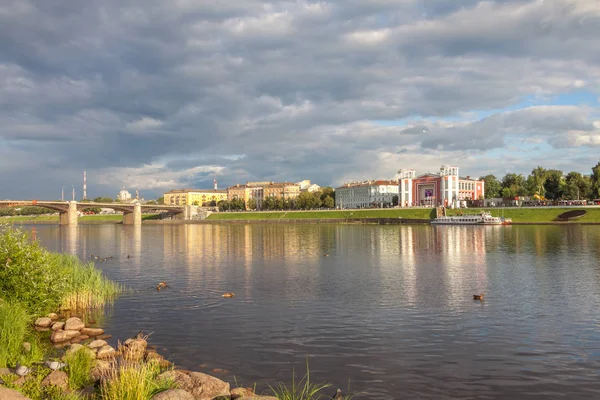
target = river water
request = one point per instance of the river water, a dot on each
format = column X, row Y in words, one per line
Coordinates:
column 386, row 310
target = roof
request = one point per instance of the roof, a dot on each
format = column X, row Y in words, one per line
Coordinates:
column 368, row 183
column 176, row 191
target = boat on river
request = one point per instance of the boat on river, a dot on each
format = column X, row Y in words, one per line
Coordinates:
column 483, row 218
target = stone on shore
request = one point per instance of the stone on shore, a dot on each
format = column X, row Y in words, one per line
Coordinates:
column 174, row 394
column 61, row 336
column 101, row 369
column 43, row 322
column 135, row 350
column 58, row 325
column 97, row 344
column 74, row 324
column 52, row 316
column 240, row 393
column 92, row 332
column 106, row 352
column 11, row 394
column 202, row 386
column 104, row 337
column 56, row 378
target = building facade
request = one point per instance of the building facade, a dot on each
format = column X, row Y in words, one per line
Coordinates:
column 258, row 191
column 445, row 188
column 366, row 194
column 196, row 197
column 124, row 196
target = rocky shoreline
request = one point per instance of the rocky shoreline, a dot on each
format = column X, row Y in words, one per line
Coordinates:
column 70, row 335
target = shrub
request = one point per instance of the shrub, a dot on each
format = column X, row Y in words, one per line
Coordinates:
column 134, row 381
column 43, row 281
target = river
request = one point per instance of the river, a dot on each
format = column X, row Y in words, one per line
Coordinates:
column 386, row 310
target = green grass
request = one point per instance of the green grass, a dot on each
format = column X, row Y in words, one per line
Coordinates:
column 33, row 388
column 20, row 219
column 415, row 213
column 134, row 381
column 540, row 214
column 15, row 329
column 303, row 389
column 43, row 281
column 80, row 363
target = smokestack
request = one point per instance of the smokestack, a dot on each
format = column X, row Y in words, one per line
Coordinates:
column 215, row 182
column 84, row 186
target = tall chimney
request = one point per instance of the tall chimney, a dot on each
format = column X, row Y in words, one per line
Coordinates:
column 84, row 186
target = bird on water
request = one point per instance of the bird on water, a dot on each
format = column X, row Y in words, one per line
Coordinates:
column 228, row 294
column 161, row 285
column 478, row 296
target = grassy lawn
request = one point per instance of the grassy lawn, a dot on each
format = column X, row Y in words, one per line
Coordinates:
column 390, row 213
column 517, row 214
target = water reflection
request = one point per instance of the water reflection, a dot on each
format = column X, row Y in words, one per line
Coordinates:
column 388, row 307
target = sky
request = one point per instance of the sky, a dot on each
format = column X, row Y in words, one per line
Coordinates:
column 156, row 95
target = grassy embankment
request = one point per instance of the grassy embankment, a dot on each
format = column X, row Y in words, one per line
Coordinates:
column 23, row 219
column 33, row 282
column 533, row 215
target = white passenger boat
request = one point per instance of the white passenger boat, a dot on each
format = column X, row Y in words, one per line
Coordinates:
column 483, row 218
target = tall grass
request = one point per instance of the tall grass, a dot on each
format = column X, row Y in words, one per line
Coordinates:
column 33, row 389
column 80, row 364
column 44, row 281
column 14, row 322
column 303, row 389
column 134, row 381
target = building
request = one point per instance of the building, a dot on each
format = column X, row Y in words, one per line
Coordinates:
column 306, row 186
column 124, row 196
column 196, row 197
column 445, row 188
column 261, row 190
column 366, row 194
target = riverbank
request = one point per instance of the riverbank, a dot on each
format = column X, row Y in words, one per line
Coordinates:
column 421, row 215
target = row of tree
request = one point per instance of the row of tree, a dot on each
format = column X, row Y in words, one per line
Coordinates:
column 550, row 184
column 325, row 198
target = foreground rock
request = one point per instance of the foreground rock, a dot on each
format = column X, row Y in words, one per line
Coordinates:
column 58, row 379
column 106, row 352
column 43, row 322
column 201, row 386
column 134, row 350
column 74, row 324
column 61, row 336
column 10, row 394
column 91, row 332
column 174, row 394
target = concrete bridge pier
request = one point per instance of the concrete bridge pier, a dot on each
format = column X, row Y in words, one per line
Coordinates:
column 134, row 217
column 69, row 217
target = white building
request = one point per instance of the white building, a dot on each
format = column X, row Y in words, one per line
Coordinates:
column 366, row 194
column 124, row 196
column 306, row 186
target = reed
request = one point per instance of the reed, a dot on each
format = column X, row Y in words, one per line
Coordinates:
column 44, row 281
column 80, row 364
column 14, row 322
column 134, row 381
column 303, row 389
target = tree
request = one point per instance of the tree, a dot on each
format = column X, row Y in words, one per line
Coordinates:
column 252, row 204
column 328, row 202
column 492, row 187
column 515, row 185
column 539, row 176
column 327, row 191
column 268, row 203
column 595, row 181
column 577, row 186
column 151, row 202
column 103, row 200
column 196, row 203
column 161, row 200
column 555, row 184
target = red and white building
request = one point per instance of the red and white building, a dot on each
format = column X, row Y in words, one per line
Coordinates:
column 445, row 188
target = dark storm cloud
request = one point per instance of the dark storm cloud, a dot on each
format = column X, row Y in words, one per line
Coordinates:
column 158, row 94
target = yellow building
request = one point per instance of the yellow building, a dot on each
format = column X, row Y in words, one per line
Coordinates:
column 196, row 197
column 261, row 190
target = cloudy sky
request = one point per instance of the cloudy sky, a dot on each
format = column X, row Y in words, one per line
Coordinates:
column 156, row 94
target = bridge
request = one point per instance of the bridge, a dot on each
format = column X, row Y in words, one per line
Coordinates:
column 132, row 212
